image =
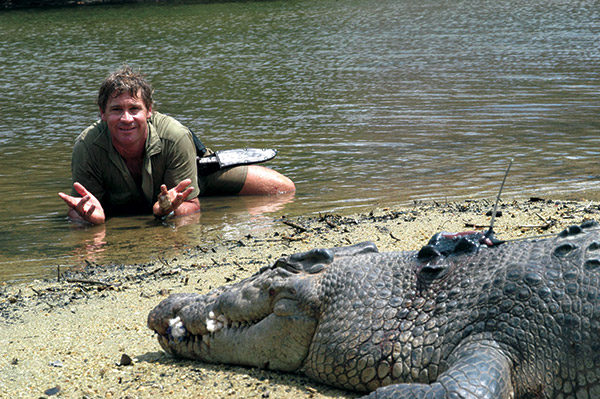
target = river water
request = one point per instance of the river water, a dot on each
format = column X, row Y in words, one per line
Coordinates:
column 369, row 103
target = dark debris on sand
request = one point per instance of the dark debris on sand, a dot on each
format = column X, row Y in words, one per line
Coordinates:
column 293, row 235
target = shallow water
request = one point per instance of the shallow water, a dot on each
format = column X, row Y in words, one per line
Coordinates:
column 369, row 104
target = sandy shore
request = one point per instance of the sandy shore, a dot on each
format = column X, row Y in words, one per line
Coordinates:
column 70, row 338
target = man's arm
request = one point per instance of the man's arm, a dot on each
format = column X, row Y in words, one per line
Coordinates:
column 86, row 208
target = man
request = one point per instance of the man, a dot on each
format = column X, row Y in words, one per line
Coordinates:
column 134, row 160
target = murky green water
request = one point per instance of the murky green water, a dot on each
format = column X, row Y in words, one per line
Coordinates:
column 369, row 104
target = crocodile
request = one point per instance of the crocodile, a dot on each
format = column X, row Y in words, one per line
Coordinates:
column 461, row 318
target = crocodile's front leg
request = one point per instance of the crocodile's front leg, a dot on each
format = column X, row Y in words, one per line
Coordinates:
column 480, row 370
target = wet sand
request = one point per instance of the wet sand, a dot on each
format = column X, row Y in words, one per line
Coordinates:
column 73, row 338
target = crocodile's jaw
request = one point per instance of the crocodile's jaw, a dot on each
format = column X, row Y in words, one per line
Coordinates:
column 277, row 343
column 198, row 327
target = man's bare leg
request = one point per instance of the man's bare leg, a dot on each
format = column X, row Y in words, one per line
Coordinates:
column 264, row 181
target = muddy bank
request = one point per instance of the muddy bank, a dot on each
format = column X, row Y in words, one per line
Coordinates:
column 85, row 336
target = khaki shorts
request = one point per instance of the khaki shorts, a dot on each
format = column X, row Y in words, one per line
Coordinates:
column 227, row 181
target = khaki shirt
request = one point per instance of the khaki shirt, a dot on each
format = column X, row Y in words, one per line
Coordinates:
column 169, row 157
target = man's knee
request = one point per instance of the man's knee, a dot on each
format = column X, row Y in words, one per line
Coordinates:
column 264, row 181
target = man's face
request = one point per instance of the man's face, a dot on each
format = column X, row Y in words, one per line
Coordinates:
column 127, row 117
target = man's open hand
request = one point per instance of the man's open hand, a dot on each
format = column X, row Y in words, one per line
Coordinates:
column 170, row 200
column 85, row 208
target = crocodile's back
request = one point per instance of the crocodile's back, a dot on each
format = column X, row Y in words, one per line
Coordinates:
column 541, row 301
column 390, row 318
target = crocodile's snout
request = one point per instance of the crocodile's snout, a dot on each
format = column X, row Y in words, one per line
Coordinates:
column 246, row 323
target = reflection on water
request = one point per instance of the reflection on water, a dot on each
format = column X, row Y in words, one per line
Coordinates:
column 91, row 249
column 368, row 104
column 121, row 236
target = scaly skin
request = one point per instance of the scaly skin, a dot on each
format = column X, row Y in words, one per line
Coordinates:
column 517, row 320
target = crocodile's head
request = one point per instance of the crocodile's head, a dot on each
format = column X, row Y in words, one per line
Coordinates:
column 267, row 320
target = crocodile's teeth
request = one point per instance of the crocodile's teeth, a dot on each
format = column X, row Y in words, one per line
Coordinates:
column 213, row 325
column 177, row 328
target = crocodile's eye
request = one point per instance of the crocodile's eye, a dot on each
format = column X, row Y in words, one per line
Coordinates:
column 271, row 291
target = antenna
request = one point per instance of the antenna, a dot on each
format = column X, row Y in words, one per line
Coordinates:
column 491, row 229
